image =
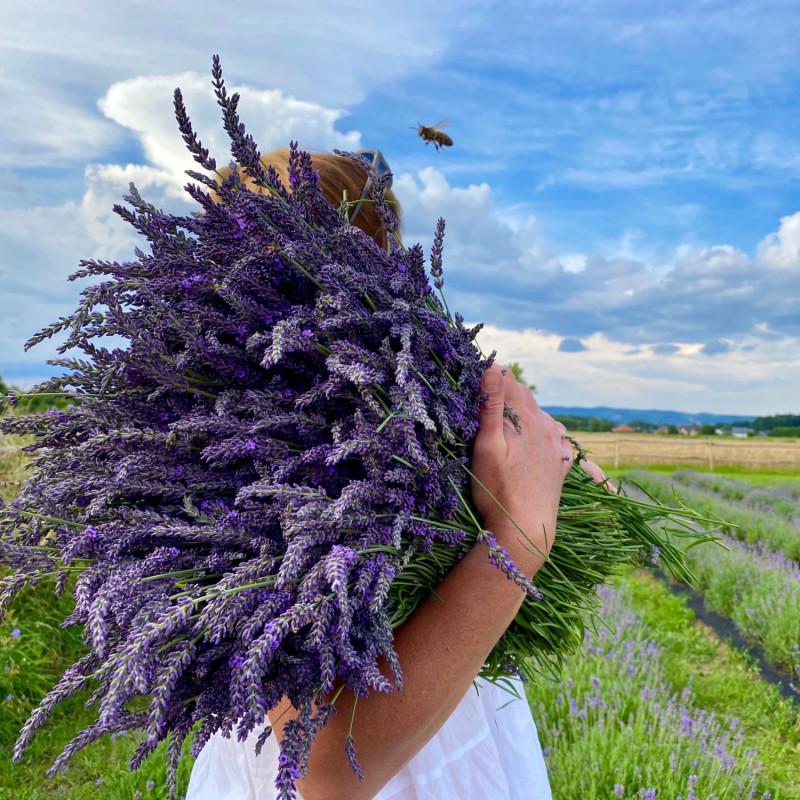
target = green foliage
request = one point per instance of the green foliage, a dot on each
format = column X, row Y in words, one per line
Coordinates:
column 775, row 421
column 27, row 402
column 756, row 585
column 643, row 426
column 31, row 662
column 721, row 680
column 708, row 430
column 747, row 524
column 591, row 424
column 785, row 432
column 516, row 368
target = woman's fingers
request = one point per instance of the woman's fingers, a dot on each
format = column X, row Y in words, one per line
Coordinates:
column 597, row 475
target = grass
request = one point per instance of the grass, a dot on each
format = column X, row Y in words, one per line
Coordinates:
column 31, row 662
column 767, row 476
column 756, row 585
column 12, row 465
column 35, row 660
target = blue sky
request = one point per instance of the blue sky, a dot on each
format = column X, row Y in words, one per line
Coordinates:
column 622, row 199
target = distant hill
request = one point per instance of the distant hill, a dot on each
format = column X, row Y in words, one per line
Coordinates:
column 654, row 416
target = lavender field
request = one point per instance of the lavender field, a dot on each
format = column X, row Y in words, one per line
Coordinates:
column 655, row 706
column 754, row 579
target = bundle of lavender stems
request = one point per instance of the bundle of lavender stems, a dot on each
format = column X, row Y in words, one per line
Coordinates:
column 255, row 487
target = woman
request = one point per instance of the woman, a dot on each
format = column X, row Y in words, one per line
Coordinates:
column 443, row 736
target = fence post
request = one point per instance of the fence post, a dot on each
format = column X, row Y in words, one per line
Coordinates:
column 710, row 456
column 616, row 453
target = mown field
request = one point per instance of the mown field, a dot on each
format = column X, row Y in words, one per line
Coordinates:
column 713, row 453
column 656, row 705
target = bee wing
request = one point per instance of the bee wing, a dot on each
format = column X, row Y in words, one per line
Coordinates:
column 443, row 124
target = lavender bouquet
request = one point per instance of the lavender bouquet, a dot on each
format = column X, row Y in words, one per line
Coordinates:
column 251, row 492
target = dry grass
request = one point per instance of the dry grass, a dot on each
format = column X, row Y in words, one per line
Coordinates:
column 12, row 466
column 701, row 452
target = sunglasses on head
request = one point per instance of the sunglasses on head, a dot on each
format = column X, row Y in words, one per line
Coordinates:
column 378, row 164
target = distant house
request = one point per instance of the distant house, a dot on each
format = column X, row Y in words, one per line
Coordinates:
column 623, row 429
column 740, row 433
column 690, row 430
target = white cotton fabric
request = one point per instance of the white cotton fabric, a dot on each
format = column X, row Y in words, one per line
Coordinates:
column 487, row 750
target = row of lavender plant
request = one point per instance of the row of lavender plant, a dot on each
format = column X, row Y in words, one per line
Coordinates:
column 752, row 583
column 759, row 589
column 783, row 501
column 616, row 728
column 748, row 524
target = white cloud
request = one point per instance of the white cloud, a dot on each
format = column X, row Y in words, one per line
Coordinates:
column 751, row 377
column 509, row 277
column 48, row 129
column 144, row 106
column 701, row 329
column 781, row 250
column 44, row 244
column 651, row 319
column 59, row 57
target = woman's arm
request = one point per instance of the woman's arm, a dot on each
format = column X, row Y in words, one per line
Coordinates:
column 444, row 644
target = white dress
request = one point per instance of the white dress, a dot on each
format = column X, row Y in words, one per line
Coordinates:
column 487, row 750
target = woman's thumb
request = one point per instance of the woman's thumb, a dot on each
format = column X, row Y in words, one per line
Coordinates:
column 493, row 401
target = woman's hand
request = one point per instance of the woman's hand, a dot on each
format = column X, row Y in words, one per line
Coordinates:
column 519, row 465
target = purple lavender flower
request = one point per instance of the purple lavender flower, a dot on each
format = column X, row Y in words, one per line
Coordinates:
column 285, row 432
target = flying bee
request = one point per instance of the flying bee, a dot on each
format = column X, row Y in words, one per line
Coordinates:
column 431, row 133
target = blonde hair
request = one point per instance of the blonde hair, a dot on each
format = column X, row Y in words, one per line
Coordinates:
column 337, row 176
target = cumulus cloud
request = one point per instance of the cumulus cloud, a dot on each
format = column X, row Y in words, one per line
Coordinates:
column 715, row 347
column 44, row 244
column 570, row 345
column 665, row 349
column 143, row 105
column 61, row 57
column 780, row 251
column 621, row 331
column 752, row 377
column 505, row 274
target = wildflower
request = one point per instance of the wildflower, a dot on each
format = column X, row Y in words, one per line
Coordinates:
column 619, row 790
column 15, row 633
